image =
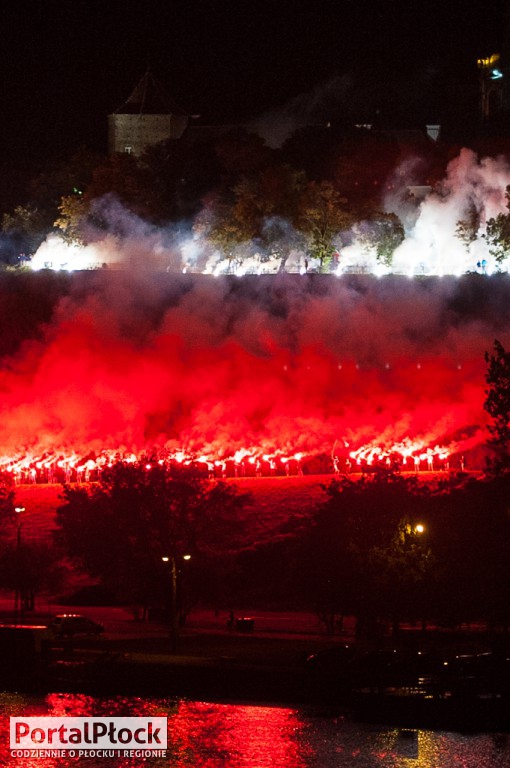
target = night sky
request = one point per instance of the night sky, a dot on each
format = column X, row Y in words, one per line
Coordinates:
column 66, row 64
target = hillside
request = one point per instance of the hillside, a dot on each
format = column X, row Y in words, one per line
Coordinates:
column 274, row 502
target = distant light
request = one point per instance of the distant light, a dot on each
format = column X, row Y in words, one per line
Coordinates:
column 496, row 74
column 420, row 528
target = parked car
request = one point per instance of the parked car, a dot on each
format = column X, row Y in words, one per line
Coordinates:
column 73, row 624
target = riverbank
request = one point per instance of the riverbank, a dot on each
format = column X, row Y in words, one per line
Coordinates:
column 260, row 669
column 266, row 663
column 230, row 680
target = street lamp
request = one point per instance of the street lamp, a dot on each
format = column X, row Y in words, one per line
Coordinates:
column 17, row 593
column 174, row 627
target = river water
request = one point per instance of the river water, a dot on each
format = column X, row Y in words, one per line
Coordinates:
column 212, row 735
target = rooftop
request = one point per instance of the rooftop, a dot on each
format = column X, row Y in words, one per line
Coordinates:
column 149, row 97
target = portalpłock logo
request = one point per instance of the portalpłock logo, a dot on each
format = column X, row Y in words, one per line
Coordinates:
column 88, row 736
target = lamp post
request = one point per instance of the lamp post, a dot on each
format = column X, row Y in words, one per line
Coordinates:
column 174, row 624
column 17, row 593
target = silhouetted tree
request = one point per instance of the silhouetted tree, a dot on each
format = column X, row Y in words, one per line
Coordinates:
column 121, row 529
column 50, row 192
column 362, row 555
column 32, row 567
column 467, row 228
column 469, row 533
column 497, row 405
column 322, row 215
column 497, row 233
column 7, row 496
column 382, row 234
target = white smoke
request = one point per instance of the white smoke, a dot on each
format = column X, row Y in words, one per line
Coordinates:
column 277, row 126
column 431, row 245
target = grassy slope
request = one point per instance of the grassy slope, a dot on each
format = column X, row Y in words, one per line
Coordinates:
column 275, row 501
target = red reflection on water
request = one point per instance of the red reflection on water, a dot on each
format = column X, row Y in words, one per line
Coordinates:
column 241, row 735
column 200, row 734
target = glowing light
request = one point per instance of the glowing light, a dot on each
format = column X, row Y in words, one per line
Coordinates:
column 431, row 245
column 56, row 254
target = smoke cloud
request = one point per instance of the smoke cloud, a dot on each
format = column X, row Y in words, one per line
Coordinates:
column 266, row 364
column 213, row 366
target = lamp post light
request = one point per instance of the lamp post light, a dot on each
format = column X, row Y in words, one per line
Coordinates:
column 17, row 593
column 174, row 624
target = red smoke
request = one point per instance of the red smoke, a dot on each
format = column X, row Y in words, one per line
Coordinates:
column 267, row 365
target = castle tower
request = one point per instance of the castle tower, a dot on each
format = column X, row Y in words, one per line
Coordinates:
column 146, row 118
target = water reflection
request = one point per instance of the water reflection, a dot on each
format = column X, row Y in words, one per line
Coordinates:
column 207, row 735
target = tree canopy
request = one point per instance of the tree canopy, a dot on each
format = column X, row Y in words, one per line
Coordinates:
column 497, row 404
column 363, row 554
column 119, row 530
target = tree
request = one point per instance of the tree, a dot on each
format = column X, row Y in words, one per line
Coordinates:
column 467, row 228
column 182, row 173
column 470, row 537
column 241, row 153
column 123, row 178
column 403, row 569
column 220, row 225
column 120, row 530
column 239, row 220
column 321, row 217
column 24, row 566
column 7, row 509
column 382, row 234
column 72, row 218
column 497, row 404
column 27, row 226
column 361, row 554
column 497, row 233
column 31, row 567
column 48, row 193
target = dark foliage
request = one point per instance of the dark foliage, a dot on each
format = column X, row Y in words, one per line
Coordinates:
column 497, row 405
column 365, row 556
column 120, row 530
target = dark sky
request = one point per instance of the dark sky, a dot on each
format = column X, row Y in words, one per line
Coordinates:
column 67, row 63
